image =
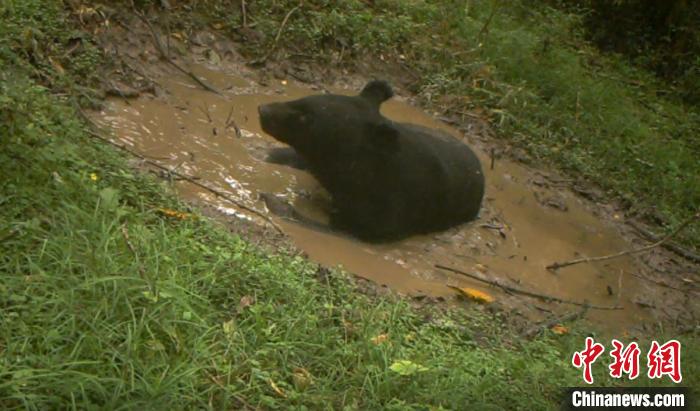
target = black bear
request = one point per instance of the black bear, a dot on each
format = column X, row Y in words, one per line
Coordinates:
column 387, row 180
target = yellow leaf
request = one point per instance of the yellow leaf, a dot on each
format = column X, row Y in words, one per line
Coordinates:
column 229, row 327
column 475, row 295
column 277, row 389
column 93, row 177
column 560, row 329
column 406, row 367
column 380, row 339
column 175, row 214
column 59, row 68
column 302, row 378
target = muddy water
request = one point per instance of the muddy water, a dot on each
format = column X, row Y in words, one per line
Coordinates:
column 195, row 131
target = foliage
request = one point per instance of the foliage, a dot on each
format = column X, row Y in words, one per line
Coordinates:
column 108, row 302
column 663, row 36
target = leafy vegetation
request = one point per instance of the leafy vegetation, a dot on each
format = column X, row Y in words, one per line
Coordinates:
column 106, row 302
column 545, row 88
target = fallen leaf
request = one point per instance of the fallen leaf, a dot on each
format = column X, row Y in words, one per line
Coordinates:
column 475, row 295
column 228, row 327
column 302, row 378
column 277, row 389
column 405, row 367
column 246, row 301
column 380, row 339
column 481, row 268
column 560, row 329
column 175, row 214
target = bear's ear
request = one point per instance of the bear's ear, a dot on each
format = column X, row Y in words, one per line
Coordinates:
column 377, row 92
column 384, row 136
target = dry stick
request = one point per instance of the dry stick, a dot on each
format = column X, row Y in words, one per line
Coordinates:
column 279, row 31
column 524, row 292
column 661, row 284
column 554, row 321
column 231, row 122
column 184, row 177
column 680, row 227
column 161, row 51
column 619, row 288
column 125, row 233
column 485, row 27
column 685, row 253
column 245, row 14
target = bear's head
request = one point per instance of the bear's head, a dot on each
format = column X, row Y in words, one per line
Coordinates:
column 332, row 125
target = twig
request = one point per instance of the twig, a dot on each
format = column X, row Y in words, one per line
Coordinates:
column 554, row 321
column 525, row 292
column 284, row 22
column 661, row 284
column 185, row 177
column 680, row 227
column 685, row 253
column 244, row 14
column 231, row 122
column 485, row 27
column 164, row 55
column 279, row 32
column 493, row 158
column 619, row 288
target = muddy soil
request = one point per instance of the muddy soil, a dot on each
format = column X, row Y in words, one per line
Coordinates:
column 530, row 218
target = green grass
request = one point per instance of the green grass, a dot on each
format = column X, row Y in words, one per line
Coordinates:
column 107, row 304
column 544, row 88
column 86, row 320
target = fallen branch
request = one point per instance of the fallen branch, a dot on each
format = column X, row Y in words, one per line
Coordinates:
column 164, row 54
column 538, row 328
column 189, row 179
column 685, row 253
column 525, row 292
column 662, row 284
column 678, row 229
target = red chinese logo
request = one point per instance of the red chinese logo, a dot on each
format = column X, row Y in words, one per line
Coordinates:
column 624, row 360
column 665, row 360
column 661, row 360
column 587, row 357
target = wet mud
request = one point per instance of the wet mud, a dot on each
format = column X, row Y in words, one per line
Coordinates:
column 523, row 226
column 526, row 222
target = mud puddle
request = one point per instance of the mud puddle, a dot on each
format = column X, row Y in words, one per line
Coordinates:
column 524, row 225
